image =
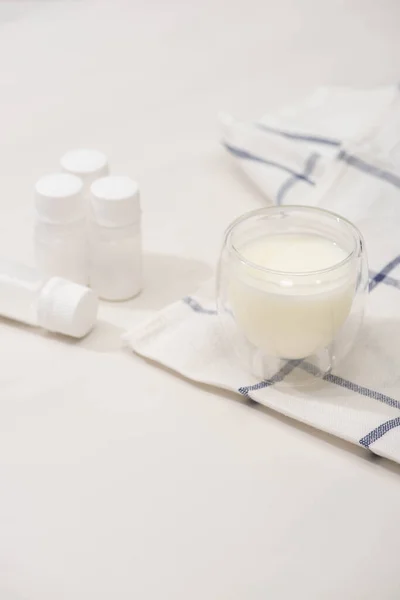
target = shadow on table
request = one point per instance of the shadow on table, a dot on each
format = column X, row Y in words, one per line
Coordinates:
column 167, row 279
column 105, row 337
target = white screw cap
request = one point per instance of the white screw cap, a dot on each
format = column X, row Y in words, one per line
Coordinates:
column 67, row 307
column 115, row 201
column 85, row 163
column 58, row 198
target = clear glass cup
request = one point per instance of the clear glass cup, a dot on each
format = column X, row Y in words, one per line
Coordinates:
column 282, row 308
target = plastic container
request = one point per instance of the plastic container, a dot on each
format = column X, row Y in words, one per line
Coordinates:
column 60, row 236
column 53, row 303
column 115, row 238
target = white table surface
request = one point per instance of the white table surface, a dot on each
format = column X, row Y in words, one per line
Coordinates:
column 118, row 480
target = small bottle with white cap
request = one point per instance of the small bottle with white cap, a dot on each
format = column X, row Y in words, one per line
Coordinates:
column 60, row 237
column 55, row 304
column 87, row 164
column 115, row 270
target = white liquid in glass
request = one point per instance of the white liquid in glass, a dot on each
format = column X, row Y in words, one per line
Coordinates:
column 294, row 308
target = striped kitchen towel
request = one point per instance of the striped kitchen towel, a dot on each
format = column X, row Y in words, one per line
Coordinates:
column 339, row 149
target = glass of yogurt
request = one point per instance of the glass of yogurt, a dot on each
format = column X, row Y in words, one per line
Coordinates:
column 292, row 285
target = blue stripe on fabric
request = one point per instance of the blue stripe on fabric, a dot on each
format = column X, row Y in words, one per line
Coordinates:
column 310, row 164
column 375, row 434
column 362, row 390
column 302, row 137
column 380, row 431
column 362, row 165
column 239, row 153
column 353, row 387
column 196, row 307
column 382, row 275
column 285, row 187
column 288, row 184
column 387, row 280
column 279, row 376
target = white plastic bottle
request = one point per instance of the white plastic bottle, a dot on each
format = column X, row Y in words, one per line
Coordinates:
column 53, row 303
column 115, row 238
column 60, row 237
column 87, row 164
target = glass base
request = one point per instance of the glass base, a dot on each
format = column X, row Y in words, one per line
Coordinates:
column 299, row 372
column 282, row 372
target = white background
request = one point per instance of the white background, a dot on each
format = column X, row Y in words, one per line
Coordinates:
column 119, row 480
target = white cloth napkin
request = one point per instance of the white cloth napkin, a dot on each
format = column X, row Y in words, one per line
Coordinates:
column 339, row 149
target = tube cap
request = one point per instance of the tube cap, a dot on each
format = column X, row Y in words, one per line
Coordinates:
column 115, row 201
column 85, row 163
column 58, row 198
column 66, row 307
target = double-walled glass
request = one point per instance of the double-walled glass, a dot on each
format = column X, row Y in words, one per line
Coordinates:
column 276, row 320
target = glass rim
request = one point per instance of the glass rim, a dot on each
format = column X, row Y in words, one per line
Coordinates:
column 357, row 236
